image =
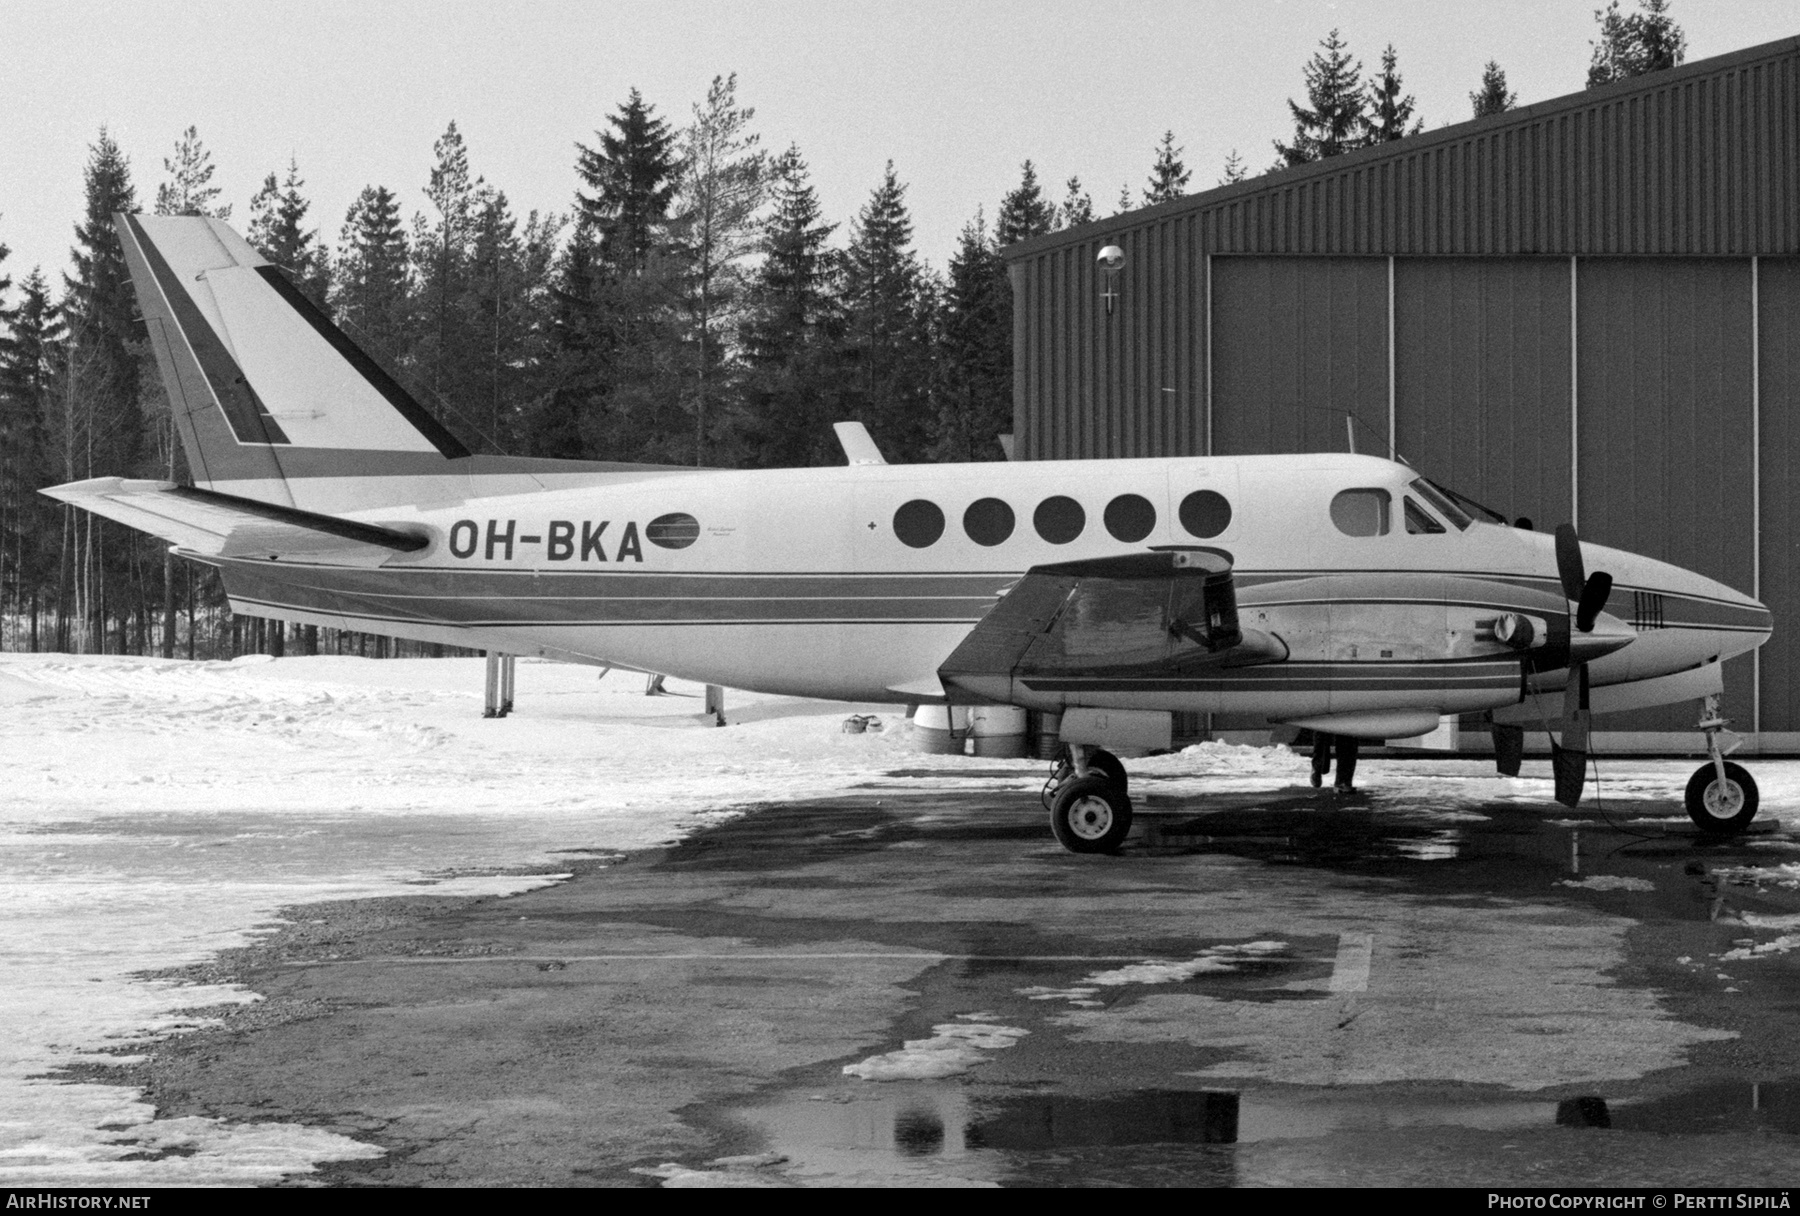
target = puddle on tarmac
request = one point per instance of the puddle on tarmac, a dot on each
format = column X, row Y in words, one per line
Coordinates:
column 1153, row 1116
column 1769, row 1106
column 925, row 1133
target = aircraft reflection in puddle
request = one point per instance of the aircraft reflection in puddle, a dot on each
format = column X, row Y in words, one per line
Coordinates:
column 912, row 1133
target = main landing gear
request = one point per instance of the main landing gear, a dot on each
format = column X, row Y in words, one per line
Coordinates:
column 1090, row 806
column 1721, row 797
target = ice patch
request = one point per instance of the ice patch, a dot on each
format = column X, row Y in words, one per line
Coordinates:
column 1213, row 960
column 1780, row 945
column 1042, row 993
column 1786, row 876
column 954, row 1047
column 732, row 1172
column 1609, row 882
column 1439, row 846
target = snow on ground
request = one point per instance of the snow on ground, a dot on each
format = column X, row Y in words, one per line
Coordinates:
column 153, row 813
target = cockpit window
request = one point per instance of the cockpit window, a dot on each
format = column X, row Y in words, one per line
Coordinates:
column 1460, row 509
column 1418, row 520
column 1361, row 512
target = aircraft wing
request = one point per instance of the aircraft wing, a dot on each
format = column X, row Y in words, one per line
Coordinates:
column 210, row 524
column 1154, row 614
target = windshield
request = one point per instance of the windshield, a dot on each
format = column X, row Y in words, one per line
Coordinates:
column 1461, row 509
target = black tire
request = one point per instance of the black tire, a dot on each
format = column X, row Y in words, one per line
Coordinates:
column 1102, row 761
column 1725, row 815
column 1090, row 815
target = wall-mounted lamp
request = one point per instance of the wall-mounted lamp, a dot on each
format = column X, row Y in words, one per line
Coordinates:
column 1110, row 260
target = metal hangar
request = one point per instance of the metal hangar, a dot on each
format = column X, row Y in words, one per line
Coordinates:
column 1586, row 309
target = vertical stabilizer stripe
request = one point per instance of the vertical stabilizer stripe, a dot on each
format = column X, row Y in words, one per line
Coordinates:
column 249, row 419
column 367, row 368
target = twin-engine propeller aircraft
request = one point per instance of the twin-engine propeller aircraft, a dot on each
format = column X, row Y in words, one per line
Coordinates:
column 1342, row 593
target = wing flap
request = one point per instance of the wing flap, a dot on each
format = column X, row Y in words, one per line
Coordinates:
column 211, row 524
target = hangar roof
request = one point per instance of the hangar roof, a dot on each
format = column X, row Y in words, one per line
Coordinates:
column 1699, row 159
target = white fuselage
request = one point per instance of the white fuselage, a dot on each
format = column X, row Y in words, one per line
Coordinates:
column 803, row 581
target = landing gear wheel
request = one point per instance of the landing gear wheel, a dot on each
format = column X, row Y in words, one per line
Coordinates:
column 1722, row 810
column 1090, row 815
column 1099, row 760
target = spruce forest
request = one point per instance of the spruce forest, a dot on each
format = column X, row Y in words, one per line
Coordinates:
column 693, row 306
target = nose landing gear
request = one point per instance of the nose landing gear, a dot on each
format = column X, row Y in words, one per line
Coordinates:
column 1721, row 797
column 1090, row 809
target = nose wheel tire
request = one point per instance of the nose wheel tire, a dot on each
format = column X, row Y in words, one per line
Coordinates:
column 1722, row 809
column 1090, row 815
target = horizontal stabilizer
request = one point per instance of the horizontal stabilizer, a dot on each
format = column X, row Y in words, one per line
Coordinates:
column 211, row 524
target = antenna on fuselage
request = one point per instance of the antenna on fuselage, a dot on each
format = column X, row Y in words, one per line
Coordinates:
column 859, row 446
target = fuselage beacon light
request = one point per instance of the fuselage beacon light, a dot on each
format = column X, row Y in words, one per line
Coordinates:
column 1343, row 593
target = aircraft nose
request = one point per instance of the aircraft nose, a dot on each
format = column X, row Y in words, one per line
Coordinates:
column 1706, row 615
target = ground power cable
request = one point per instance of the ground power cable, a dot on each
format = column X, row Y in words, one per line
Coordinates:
column 1593, row 760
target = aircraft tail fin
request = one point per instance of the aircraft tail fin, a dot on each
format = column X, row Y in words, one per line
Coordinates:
column 266, row 391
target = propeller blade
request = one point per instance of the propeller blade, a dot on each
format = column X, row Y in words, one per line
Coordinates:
column 1593, row 599
column 1569, row 759
column 1569, row 566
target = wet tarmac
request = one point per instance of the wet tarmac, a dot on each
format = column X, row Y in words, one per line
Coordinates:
column 917, row 987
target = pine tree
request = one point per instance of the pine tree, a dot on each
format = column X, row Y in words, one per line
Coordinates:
column 189, row 190
column 975, row 371
column 576, row 340
column 1331, row 123
column 620, row 381
column 792, row 330
column 1234, row 169
column 278, row 231
column 633, row 176
column 101, row 311
column 723, row 182
column 372, row 291
column 1645, row 41
column 1024, row 211
column 505, row 312
column 1168, row 176
column 99, row 422
column 445, row 346
column 1124, row 204
column 1493, row 97
column 31, row 355
column 888, row 338
column 1389, row 112
column 1077, row 207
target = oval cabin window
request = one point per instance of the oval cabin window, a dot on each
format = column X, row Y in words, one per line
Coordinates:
column 1130, row 517
column 675, row 531
column 919, row 523
column 988, row 521
column 1361, row 512
column 1059, row 519
column 1205, row 513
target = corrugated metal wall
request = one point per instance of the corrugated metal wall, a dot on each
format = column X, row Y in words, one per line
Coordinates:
column 1779, row 416
column 1692, row 172
column 1298, row 343
column 1482, row 378
column 1101, row 385
column 1666, row 453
